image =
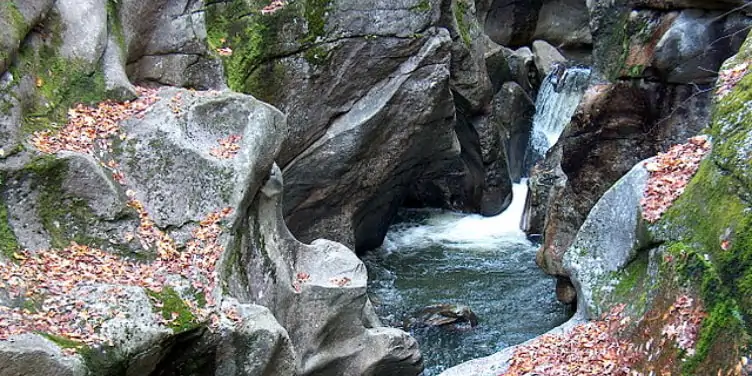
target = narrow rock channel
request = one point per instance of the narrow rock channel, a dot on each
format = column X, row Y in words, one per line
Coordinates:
column 487, row 263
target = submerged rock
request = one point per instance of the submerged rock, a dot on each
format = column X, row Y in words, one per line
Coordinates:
column 444, row 315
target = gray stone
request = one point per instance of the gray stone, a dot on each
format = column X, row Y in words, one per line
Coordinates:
column 173, row 140
column 663, row 43
column 469, row 80
column 511, row 22
column 318, row 293
column 84, row 30
column 496, row 64
column 117, row 85
column 17, row 18
column 380, row 149
column 166, row 43
column 497, row 184
column 32, row 355
column 696, row 44
column 258, row 345
column 609, row 239
column 546, row 56
column 564, row 23
column 523, row 69
column 512, row 113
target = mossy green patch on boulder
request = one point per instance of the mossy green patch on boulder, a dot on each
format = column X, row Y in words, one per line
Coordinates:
column 64, row 217
column 632, row 286
column 708, row 231
column 60, row 82
column 256, row 39
column 460, row 10
column 8, row 241
column 174, row 309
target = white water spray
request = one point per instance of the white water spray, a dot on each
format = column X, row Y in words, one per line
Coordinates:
column 557, row 100
column 456, row 230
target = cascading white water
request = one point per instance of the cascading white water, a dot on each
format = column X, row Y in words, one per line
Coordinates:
column 433, row 256
column 558, row 97
column 458, row 230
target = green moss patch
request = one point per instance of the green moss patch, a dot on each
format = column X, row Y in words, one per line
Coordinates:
column 65, row 217
column 258, row 40
column 8, row 241
column 60, row 82
column 460, row 8
column 174, row 309
column 631, row 286
column 710, row 232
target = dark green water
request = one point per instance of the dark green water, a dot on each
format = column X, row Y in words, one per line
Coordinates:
column 488, row 264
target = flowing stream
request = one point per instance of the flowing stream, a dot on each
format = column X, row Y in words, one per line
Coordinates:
column 487, row 263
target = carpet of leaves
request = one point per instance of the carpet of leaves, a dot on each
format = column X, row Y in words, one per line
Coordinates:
column 50, row 277
column 591, row 348
column 669, row 174
column 52, row 281
column 684, row 319
column 728, row 78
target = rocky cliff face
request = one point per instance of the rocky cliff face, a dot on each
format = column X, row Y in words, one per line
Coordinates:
column 687, row 269
column 146, row 236
column 380, row 112
column 659, row 60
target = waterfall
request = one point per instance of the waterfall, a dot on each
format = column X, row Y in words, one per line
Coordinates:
column 558, row 97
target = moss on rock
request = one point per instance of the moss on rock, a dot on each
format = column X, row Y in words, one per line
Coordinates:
column 259, row 40
column 60, row 82
column 65, row 217
column 709, row 232
column 8, row 241
column 173, row 308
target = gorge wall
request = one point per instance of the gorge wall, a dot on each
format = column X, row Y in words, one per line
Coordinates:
column 169, row 169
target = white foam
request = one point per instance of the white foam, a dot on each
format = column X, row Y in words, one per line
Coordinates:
column 455, row 230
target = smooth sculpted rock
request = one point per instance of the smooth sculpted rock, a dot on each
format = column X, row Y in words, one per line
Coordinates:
column 476, row 180
column 609, row 239
column 31, row 354
column 380, row 150
column 317, row 292
column 345, row 74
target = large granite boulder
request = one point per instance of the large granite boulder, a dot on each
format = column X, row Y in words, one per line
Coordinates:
column 564, row 23
column 512, row 23
column 318, row 292
column 609, row 239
